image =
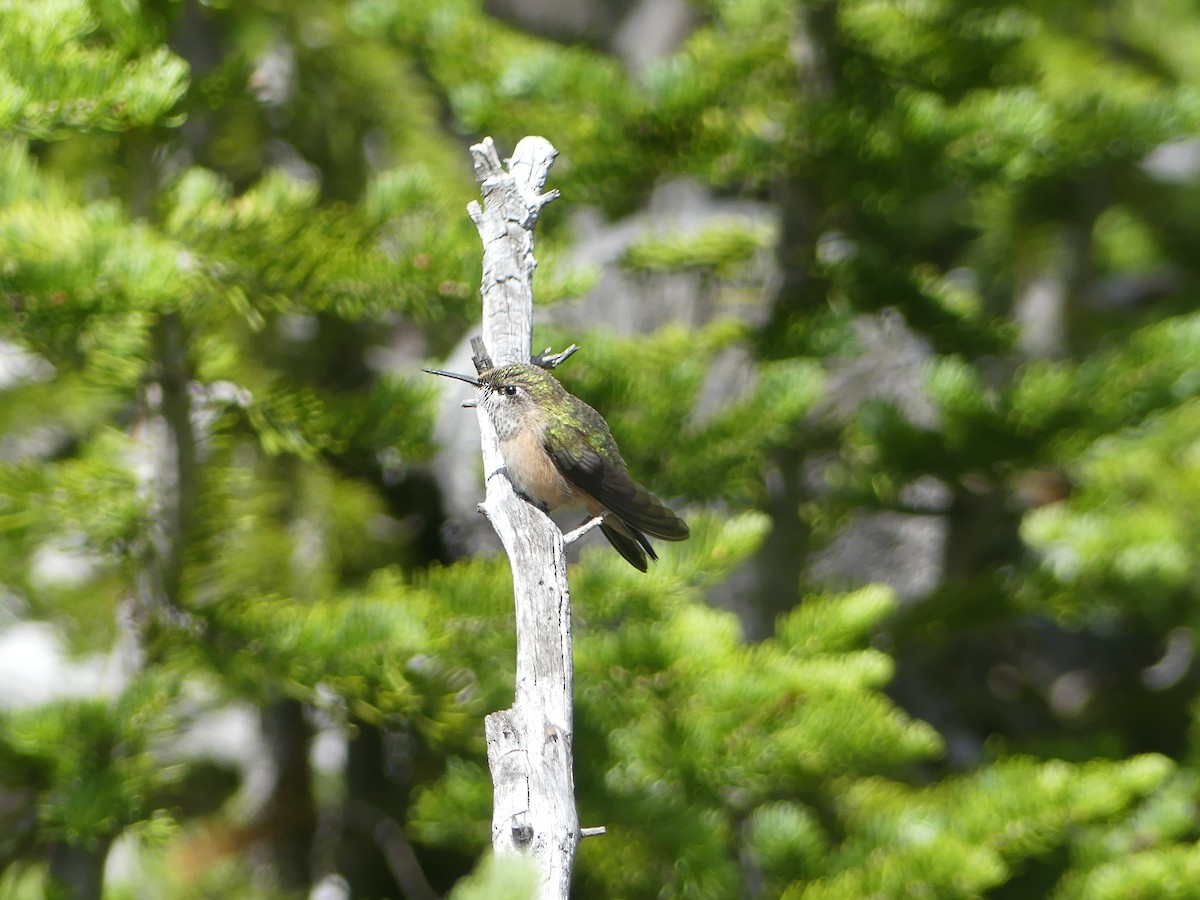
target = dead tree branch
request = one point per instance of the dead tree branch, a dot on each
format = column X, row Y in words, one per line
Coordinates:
column 529, row 744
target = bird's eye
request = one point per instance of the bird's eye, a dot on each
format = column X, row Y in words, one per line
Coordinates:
column 510, row 389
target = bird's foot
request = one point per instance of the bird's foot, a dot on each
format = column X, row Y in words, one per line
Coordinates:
column 575, row 534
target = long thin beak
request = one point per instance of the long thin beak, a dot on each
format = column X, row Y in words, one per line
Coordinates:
column 467, row 404
column 467, row 378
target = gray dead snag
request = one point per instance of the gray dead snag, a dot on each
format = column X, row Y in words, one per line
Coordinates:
column 529, row 744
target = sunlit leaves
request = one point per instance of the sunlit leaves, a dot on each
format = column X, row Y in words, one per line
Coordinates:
column 830, row 624
column 689, row 715
column 279, row 247
column 93, row 762
column 964, row 834
column 722, row 249
column 53, row 80
column 1127, row 535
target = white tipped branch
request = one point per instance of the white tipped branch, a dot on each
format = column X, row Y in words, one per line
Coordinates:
column 575, row 534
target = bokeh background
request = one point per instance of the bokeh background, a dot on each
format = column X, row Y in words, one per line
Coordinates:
column 895, row 300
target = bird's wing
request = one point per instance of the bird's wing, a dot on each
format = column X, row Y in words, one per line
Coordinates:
column 602, row 474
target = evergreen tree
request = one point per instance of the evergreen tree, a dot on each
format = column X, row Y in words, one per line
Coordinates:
column 220, row 221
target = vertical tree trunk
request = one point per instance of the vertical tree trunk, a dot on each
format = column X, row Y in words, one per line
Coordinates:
column 529, row 745
column 77, row 872
column 289, row 818
column 784, row 555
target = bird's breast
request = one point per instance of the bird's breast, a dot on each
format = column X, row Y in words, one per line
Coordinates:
column 533, row 473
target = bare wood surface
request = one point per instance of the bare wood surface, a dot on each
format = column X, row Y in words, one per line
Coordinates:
column 529, row 744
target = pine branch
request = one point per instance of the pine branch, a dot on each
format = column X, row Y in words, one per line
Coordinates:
column 529, row 745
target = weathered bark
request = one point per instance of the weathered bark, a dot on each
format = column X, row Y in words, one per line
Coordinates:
column 529, row 745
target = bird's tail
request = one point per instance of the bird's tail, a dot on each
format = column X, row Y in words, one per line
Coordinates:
column 642, row 511
column 629, row 542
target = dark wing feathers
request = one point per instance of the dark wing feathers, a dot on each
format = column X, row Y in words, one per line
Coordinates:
column 601, row 473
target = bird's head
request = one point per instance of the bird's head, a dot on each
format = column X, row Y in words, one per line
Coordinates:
column 514, row 395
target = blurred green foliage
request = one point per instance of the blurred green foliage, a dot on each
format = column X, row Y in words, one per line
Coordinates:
column 216, row 219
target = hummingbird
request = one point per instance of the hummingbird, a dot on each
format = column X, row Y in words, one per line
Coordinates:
column 558, row 451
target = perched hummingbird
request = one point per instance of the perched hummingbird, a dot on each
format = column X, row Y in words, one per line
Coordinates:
column 558, row 451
